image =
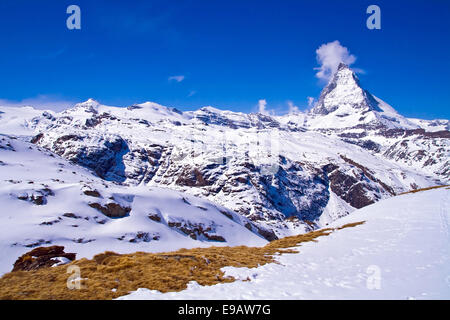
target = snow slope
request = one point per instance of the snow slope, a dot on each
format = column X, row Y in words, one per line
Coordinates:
column 401, row 252
column 45, row 200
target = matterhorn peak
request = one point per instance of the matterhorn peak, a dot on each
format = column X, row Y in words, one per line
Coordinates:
column 345, row 75
column 343, row 103
column 344, row 91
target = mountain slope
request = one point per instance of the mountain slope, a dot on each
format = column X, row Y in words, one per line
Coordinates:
column 400, row 252
column 283, row 186
column 48, row 201
column 290, row 174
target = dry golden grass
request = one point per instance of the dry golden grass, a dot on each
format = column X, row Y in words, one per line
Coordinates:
column 423, row 189
column 157, row 271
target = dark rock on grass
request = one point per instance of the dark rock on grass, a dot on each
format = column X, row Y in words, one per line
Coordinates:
column 112, row 210
column 42, row 257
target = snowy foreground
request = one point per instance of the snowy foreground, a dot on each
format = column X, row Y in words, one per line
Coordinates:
column 401, row 252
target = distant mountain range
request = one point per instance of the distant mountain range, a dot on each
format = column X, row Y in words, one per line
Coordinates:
column 150, row 177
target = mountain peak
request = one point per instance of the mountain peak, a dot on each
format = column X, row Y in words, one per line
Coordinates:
column 343, row 103
column 344, row 91
column 342, row 66
column 89, row 106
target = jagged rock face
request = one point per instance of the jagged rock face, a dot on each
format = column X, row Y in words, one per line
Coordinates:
column 292, row 191
column 101, row 153
column 355, row 184
column 428, row 150
column 416, row 148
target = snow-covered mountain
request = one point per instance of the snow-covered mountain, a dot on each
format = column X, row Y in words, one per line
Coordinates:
column 354, row 115
column 274, row 175
column 343, row 103
column 46, row 200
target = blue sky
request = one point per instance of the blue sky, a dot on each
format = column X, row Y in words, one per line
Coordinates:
column 228, row 54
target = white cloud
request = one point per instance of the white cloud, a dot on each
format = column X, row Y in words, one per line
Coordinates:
column 329, row 55
column 262, row 104
column 292, row 108
column 176, row 78
column 44, row 102
column 191, row 93
column 311, row 102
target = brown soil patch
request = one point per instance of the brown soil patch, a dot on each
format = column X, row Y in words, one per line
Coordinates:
column 157, row 271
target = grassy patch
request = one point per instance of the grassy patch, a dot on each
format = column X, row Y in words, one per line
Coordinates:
column 165, row 272
column 423, row 189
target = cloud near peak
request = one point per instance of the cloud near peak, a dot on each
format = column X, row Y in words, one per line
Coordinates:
column 262, row 104
column 329, row 56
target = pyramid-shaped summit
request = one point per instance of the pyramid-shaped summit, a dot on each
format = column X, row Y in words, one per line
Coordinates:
column 344, row 92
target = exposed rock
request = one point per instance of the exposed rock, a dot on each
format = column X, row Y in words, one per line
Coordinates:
column 196, row 231
column 192, row 178
column 155, row 217
column 71, row 215
column 92, row 193
column 42, row 257
column 37, row 138
column 112, row 210
column 349, row 189
column 38, row 197
column 267, row 234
